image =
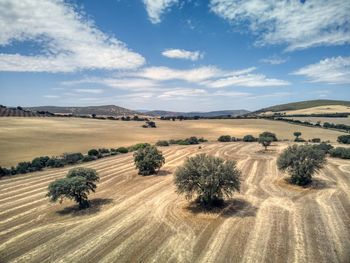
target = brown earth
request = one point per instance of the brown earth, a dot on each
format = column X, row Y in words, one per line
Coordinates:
column 142, row 219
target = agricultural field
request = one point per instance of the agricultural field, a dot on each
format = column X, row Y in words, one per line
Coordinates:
column 327, row 109
column 22, row 139
column 142, row 219
column 345, row 121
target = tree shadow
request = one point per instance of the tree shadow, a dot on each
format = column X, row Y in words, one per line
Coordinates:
column 95, row 207
column 163, row 173
column 316, row 184
column 228, row 208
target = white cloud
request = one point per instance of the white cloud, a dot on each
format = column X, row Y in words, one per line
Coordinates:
column 155, row 8
column 156, row 78
column 299, row 25
column 335, row 70
column 182, row 92
column 69, row 41
column 91, row 91
column 182, row 54
column 273, row 60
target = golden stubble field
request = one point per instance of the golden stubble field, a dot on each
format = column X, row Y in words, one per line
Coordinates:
column 22, row 139
column 142, row 219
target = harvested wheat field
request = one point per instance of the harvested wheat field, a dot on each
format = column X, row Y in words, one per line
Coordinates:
column 142, row 219
column 22, row 139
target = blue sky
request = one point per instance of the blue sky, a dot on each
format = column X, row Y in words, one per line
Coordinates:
column 173, row 54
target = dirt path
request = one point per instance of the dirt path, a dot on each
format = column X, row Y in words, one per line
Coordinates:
column 142, row 219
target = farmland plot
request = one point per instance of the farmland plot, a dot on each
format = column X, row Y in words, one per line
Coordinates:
column 142, row 219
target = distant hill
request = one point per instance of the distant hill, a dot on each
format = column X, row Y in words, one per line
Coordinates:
column 200, row 114
column 105, row 110
column 304, row 105
column 20, row 112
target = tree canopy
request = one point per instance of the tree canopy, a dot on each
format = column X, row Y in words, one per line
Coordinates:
column 76, row 186
column 148, row 160
column 208, row 178
column 301, row 162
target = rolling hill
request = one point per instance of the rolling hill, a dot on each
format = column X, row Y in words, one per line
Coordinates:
column 200, row 114
column 20, row 112
column 307, row 107
column 105, row 110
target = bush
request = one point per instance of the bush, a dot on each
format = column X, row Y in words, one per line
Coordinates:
column 138, row 146
column 340, row 152
column 103, row 151
column 162, row 143
column 323, row 147
column 192, row 140
column 23, row 167
column 55, row 162
column 316, row 140
column 200, row 140
column 39, row 163
column 89, row 158
column 122, row 150
column 270, row 135
column 148, row 160
column 207, row 177
column 76, row 186
column 93, row 152
column 4, row 171
column 224, row 138
column 72, row 158
column 249, row 138
column 301, row 162
column 344, row 139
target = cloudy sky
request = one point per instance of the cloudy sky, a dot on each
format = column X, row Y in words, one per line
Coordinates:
column 179, row 55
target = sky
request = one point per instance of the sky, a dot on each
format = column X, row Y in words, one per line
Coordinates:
column 178, row 55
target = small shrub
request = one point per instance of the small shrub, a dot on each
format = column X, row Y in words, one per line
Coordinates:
column 93, row 152
column 192, row 140
column 326, row 147
column 249, row 138
column 340, row 152
column 162, row 143
column 72, row 158
column 4, row 171
column 138, row 146
column 208, row 178
column 122, row 150
column 23, row 167
column 148, row 160
column 200, row 140
column 39, row 163
column 345, row 139
column 89, row 158
column 224, row 138
column 103, row 151
column 55, row 162
column 316, row 140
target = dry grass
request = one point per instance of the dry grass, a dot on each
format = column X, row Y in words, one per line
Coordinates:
column 315, row 110
column 21, row 139
column 142, row 219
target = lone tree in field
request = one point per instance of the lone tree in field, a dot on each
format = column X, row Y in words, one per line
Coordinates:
column 265, row 141
column 207, row 177
column 297, row 135
column 269, row 134
column 78, row 183
column 148, row 160
column 301, row 162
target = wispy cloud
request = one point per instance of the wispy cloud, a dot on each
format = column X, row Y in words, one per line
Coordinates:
column 273, row 60
column 91, row 91
column 298, row 24
column 155, row 8
column 155, row 78
column 70, row 41
column 51, row 96
column 335, row 70
column 183, row 54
